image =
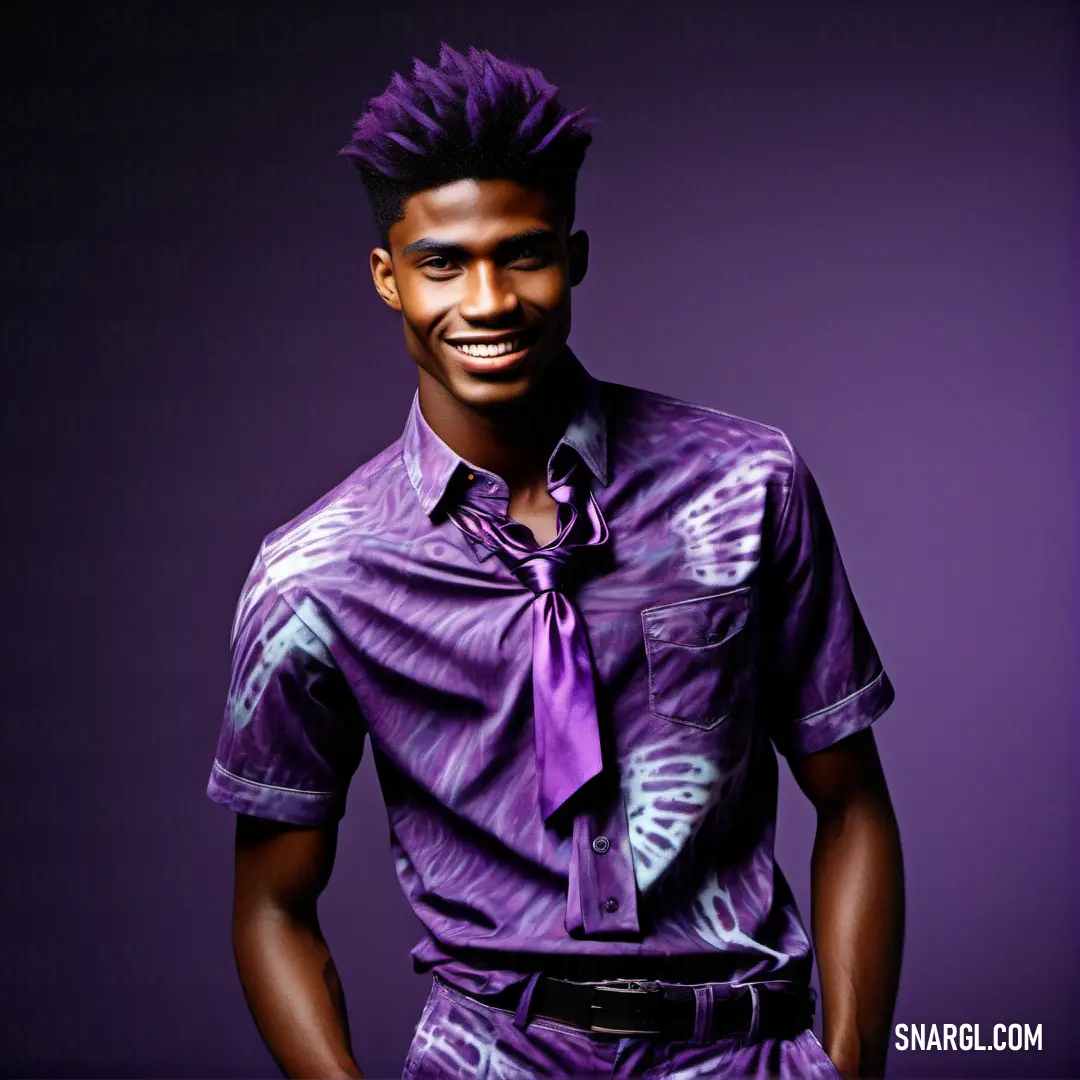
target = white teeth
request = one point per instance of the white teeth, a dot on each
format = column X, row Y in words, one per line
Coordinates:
column 490, row 351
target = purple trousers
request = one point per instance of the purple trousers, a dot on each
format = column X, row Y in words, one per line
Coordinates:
column 458, row 1038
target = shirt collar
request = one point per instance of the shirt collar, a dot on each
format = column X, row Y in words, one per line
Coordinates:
column 431, row 464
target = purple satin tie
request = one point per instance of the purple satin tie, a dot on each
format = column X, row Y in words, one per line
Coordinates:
column 564, row 697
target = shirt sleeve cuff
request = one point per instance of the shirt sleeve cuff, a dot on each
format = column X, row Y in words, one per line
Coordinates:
column 835, row 722
column 289, row 805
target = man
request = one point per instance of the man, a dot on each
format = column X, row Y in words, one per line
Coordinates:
column 574, row 619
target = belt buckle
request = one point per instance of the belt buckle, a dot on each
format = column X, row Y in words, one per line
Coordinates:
column 628, row 987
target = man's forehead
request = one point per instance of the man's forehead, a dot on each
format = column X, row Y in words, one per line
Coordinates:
column 477, row 211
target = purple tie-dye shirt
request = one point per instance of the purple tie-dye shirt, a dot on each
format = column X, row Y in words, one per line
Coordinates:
column 721, row 624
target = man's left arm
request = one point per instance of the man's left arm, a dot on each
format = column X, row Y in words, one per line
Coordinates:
column 857, row 900
column 822, row 688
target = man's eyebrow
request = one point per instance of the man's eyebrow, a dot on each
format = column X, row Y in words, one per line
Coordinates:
column 529, row 234
column 437, row 247
column 449, row 249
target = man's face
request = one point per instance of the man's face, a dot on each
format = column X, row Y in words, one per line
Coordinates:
column 481, row 271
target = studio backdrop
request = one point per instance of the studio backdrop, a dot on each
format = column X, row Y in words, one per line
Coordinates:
column 854, row 222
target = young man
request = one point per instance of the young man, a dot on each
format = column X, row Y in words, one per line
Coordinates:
column 574, row 619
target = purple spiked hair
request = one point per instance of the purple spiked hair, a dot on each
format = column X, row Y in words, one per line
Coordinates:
column 473, row 117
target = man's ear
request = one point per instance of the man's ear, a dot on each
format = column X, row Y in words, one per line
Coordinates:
column 382, row 273
column 578, row 250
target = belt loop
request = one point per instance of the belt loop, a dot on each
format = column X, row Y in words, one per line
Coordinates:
column 703, row 1014
column 521, row 1013
column 755, row 1015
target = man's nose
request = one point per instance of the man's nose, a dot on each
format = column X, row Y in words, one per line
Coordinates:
column 487, row 295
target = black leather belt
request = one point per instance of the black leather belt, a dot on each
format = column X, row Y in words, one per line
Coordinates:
column 642, row 1008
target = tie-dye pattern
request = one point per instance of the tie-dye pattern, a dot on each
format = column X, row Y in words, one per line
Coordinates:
column 722, row 629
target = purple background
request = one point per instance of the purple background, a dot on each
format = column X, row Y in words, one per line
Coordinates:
column 853, row 223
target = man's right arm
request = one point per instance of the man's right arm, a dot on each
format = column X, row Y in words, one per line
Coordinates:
column 288, row 975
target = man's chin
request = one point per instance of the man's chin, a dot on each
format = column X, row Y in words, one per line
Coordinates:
column 493, row 393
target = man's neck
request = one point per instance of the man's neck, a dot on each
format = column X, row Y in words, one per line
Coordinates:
column 514, row 442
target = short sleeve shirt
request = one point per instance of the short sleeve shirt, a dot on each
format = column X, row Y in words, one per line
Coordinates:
column 723, row 631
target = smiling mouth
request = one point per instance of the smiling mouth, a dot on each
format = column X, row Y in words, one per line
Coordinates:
column 492, row 351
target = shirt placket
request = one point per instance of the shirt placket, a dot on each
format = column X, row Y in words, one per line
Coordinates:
column 602, row 888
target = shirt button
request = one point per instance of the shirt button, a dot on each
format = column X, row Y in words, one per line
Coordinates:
column 611, row 905
column 601, row 844
column 471, row 477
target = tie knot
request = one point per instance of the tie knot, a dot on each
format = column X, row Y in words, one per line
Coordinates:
column 543, row 572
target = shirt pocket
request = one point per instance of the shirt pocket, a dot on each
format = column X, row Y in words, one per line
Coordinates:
column 696, row 652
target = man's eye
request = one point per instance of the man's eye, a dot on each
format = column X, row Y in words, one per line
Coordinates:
column 437, row 262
